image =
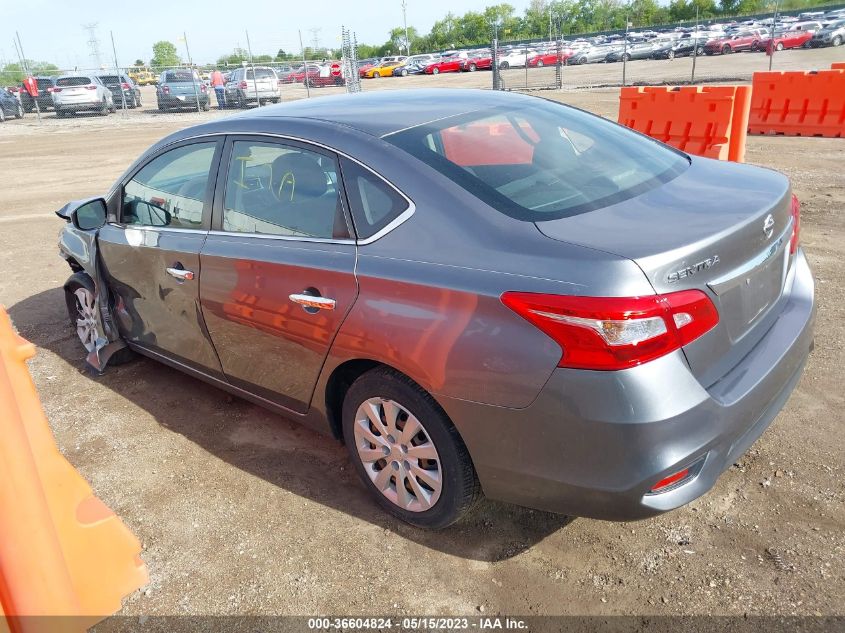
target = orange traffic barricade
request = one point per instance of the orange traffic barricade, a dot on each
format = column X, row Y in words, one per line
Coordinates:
column 707, row 121
column 798, row 103
column 837, row 66
column 62, row 551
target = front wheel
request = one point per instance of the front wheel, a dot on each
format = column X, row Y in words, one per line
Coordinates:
column 376, row 75
column 504, row 66
column 540, row 63
column 81, row 302
column 19, row 112
column 779, row 46
column 435, row 71
column 726, row 50
column 670, row 55
column 837, row 41
column 406, row 451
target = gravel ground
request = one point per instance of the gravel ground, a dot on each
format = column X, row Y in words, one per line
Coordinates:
column 243, row 512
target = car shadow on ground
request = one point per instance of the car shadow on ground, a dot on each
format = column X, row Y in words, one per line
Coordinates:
column 266, row 445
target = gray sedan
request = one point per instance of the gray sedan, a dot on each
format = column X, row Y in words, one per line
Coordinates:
column 475, row 291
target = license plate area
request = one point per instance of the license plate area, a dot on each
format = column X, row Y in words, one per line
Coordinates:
column 746, row 294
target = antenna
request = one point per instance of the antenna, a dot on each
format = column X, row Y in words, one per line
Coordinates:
column 93, row 42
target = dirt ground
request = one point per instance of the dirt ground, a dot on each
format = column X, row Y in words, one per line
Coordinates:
column 243, row 512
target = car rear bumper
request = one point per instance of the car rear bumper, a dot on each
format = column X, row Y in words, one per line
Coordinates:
column 95, row 104
column 182, row 101
column 594, row 443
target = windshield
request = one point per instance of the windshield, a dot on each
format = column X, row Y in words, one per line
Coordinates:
column 542, row 161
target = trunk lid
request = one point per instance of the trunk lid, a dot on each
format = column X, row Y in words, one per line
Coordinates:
column 184, row 88
column 721, row 228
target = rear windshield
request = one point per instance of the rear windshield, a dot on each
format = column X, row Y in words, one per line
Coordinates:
column 73, row 81
column 543, row 160
column 261, row 73
column 110, row 80
column 44, row 83
column 180, row 75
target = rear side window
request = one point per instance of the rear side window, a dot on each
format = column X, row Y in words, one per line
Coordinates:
column 69, row 82
column 170, row 190
column 278, row 189
column 374, row 203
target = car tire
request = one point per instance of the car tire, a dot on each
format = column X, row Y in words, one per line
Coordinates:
column 448, row 477
column 504, row 66
column 19, row 112
column 404, row 72
column 376, row 75
column 726, row 50
column 104, row 108
column 755, row 46
column 241, row 102
column 837, row 41
column 670, row 55
column 60, row 113
column 205, row 107
column 435, row 71
column 779, row 46
column 700, row 51
column 80, row 299
column 2, row 115
column 540, row 63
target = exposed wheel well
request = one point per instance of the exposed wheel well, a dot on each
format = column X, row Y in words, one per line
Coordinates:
column 339, row 382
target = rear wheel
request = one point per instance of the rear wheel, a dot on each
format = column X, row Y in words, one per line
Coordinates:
column 726, row 50
column 700, row 50
column 670, row 55
column 435, row 71
column 406, row 451
column 779, row 46
column 837, row 41
column 473, row 68
column 2, row 115
column 504, row 66
column 376, row 75
column 540, row 63
column 104, row 108
column 755, row 46
column 205, row 106
column 19, row 112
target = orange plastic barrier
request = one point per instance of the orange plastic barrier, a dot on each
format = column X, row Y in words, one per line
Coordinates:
column 798, row 103
column 62, row 551
column 837, row 66
column 703, row 120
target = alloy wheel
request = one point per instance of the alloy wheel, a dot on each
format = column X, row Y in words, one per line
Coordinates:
column 398, row 454
column 86, row 318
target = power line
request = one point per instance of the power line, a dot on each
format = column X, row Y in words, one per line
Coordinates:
column 93, row 42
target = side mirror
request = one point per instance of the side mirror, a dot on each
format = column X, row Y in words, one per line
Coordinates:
column 90, row 216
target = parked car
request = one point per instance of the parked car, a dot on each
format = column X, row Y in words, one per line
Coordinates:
column 122, row 88
column 44, row 98
column 365, row 64
column 479, row 61
column 786, row 39
column 10, row 106
column 831, row 35
column 606, row 326
column 446, row 64
column 253, row 85
column 683, row 47
column 550, row 58
column 324, row 77
column 594, row 54
column 515, row 58
column 384, row 69
column 642, row 50
column 80, row 93
column 182, row 88
column 414, row 65
column 299, row 75
column 740, row 41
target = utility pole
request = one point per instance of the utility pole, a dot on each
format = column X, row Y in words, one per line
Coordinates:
column 93, row 43
column 405, row 21
column 25, row 68
column 772, row 40
column 625, row 49
column 191, row 65
column 252, row 65
column 694, row 46
column 304, row 68
column 117, row 70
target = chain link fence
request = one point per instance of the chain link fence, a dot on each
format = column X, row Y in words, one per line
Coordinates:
column 519, row 67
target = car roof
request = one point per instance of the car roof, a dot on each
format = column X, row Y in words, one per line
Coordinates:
column 383, row 112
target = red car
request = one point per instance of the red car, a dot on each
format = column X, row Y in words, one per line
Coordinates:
column 788, row 39
column 742, row 41
column 298, row 75
column 471, row 64
column 550, row 59
column 445, row 65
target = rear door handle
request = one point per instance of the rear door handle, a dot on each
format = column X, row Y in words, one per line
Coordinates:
column 310, row 301
column 180, row 273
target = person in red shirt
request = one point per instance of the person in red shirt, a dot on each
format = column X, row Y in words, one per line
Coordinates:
column 219, row 91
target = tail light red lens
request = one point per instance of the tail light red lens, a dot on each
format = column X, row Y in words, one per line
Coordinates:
column 611, row 333
column 165, row 89
column 670, row 481
column 91, row 87
column 55, row 89
column 243, row 85
column 125, row 86
column 796, row 224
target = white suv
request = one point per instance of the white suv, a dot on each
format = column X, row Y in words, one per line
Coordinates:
column 77, row 93
column 252, row 85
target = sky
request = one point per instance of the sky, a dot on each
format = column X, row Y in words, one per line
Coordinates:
column 53, row 31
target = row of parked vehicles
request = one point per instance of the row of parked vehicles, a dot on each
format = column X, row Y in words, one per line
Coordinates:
column 68, row 94
column 811, row 29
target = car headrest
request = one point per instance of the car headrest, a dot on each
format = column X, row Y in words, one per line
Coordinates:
column 295, row 176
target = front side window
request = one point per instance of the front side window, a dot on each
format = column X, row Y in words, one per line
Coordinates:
column 170, row 190
column 541, row 160
column 276, row 189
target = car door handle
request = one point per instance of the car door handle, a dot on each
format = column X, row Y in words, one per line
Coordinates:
column 180, row 273
column 310, row 301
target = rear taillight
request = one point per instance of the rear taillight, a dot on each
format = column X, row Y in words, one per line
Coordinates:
column 55, row 89
column 125, row 86
column 610, row 333
column 243, row 85
column 91, row 87
column 796, row 224
column 203, row 88
column 165, row 89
